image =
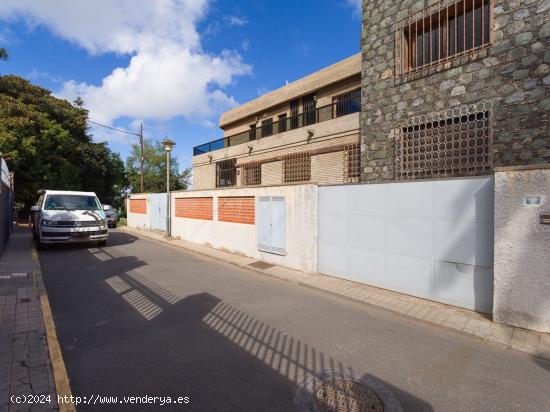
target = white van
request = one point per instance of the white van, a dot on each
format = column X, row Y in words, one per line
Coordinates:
column 67, row 217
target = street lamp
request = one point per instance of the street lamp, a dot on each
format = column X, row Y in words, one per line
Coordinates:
column 168, row 145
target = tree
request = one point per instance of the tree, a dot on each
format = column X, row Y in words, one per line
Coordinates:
column 46, row 143
column 3, row 54
column 154, row 169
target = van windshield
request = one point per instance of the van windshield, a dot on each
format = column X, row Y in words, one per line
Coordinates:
column 71, row 202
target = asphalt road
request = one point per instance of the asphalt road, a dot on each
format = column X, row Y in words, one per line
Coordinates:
column 142, row 318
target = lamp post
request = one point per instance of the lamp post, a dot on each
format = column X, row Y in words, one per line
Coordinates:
column 168, row 145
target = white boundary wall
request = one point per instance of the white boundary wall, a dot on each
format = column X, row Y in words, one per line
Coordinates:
column 301, row 225
column 138, row 220
column 522, row 248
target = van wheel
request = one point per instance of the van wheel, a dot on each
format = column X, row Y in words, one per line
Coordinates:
column 102, row 243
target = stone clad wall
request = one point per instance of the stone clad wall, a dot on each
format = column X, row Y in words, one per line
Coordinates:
column 514, row 74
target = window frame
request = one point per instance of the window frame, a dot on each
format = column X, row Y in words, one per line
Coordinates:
column 291, row 165
column 435, row 20
column 228, row 168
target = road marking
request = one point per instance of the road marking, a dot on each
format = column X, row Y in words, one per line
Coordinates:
column 155, row 287
column 118, row 285
column 142, row 304
column 102, row 256
column 60, row 377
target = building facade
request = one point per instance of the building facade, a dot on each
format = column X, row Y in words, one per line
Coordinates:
column 454, row 87
column 306, row 131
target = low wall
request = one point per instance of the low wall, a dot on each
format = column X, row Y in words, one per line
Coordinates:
column 240, row 234
column 137, row 217
column 522, row 248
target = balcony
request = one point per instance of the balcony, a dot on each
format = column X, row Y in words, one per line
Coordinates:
column 322, row 114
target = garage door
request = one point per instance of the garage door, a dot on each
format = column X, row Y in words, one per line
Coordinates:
column 431, row 239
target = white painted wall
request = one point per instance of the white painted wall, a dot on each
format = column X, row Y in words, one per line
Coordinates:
column 432, row 239
column 301, row 226
column 522, row 249
column 138, row 220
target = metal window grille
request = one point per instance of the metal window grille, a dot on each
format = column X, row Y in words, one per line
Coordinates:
column 352, row 163
column 226, row 173
column 282, row 123
column 267, row 127
column 442, row 32
column 448, row 144
column 297, row 167
column 309, row 106
column 347, row 103
column 252, row 132
column 294, row 120
column 251, row 174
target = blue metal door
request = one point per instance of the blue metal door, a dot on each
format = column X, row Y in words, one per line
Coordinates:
column 157, row 207
column 271, row 225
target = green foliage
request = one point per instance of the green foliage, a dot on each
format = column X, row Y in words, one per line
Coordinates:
column 154, row 167
column 47, row 145
column 3, row 54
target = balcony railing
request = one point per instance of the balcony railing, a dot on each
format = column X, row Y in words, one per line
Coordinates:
column 321, row 114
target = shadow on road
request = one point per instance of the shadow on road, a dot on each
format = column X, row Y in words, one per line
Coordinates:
column 123, row 334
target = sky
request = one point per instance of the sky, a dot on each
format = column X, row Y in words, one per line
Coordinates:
column 173, row 65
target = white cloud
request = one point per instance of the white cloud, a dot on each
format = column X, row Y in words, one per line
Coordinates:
column 357, row 6
column 236, row 21
column 169, row 74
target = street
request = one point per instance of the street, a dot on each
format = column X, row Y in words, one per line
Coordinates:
column 140, row 318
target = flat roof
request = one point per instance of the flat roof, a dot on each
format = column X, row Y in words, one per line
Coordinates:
column 322, row 78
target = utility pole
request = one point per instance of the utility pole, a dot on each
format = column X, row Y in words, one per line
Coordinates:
column 141, row 154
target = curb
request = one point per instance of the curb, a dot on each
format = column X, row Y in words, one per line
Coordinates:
column 434, row 313
column 61, row 378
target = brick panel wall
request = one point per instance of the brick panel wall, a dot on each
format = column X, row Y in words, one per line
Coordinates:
column 138, row 206
column 195, row 208
column 237, row 210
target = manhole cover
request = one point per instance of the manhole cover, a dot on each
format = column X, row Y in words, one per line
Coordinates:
column 261, row 265
column 339, row 391
column 346, row 396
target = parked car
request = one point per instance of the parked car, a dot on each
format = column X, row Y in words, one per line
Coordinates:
column 67, row 217
column 111, row 215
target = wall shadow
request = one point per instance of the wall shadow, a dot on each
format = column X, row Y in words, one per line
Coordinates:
column 197, row 346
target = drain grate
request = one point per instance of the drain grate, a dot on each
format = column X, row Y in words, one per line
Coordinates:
column 24, row 300
column 344, row 395
column 261, row 265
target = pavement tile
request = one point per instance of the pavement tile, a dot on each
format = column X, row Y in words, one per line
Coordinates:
column 22, row 346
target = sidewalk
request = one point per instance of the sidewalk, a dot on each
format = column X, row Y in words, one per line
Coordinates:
column 533, row 343
column 25, row 367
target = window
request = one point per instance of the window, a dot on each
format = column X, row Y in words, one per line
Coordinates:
column 294, row 119
column 352, row 163
column 226, row 173
column 451, row 144
column 347, row 103
column 252, row 132
column 297, row 168
column 267, row 127
column 441, row 32
column 251, row 174
column 282, row 123
column 309, row 105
